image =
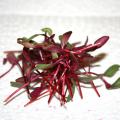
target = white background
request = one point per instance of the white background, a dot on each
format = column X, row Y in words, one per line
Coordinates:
column 84, row 17
column 61, row 7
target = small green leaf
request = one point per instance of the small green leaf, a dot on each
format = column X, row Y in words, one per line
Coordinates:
column 68, row 98
column 16, row 84
column 73, row 90
column 112, row 70
column 116, row 84
column 60, row 37
column 24, row 38
column 47, row 30
column 87, row 79
column 27, row 40
column 54, row 55
column 43, row 66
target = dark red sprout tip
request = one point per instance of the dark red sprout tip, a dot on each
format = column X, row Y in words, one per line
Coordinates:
column 101, row 41
column 65, row 38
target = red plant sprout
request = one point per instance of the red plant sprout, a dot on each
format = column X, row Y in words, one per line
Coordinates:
column 54, row 69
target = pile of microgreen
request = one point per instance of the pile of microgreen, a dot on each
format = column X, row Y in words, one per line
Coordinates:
column 55, row 69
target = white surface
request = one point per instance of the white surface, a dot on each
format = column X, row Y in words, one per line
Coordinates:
column 61, row 7
column 91, row 107
column 20, row 18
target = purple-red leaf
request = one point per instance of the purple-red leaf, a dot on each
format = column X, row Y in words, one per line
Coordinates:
column 101, row 41
column 12, row 59
column 20, row 80
column 64, row 39
column 36, row 92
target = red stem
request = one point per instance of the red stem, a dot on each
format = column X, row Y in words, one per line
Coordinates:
column 7, row 71
column 94, row 87
column 20, row 88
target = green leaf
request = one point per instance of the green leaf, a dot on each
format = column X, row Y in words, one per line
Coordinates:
column 60, row 37
column 73, row 90
column 16, row 84
column 28, row 40
column 25, row 38
column 87, row 79
column 112, row 70
column 54, row 55
column 116, row 84
column 47, row 30
column 43, row 66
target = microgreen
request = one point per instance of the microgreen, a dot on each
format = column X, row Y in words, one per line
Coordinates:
column 69, row 97
column 116, row 84
column 112, row 70
column 56, row 69
column 47, row 31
